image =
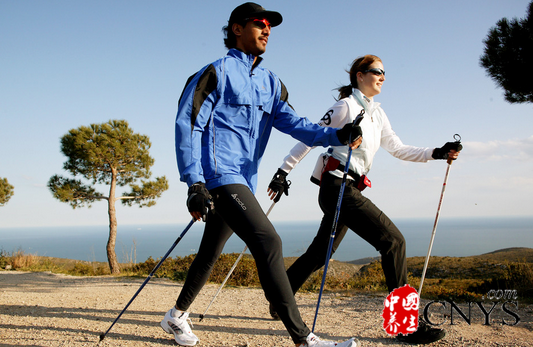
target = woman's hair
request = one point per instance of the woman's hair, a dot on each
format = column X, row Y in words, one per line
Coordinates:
column 359, row 65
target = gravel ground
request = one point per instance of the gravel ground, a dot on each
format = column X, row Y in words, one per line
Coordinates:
column 44, row 309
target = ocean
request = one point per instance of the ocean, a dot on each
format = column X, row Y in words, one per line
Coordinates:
column 455, row 237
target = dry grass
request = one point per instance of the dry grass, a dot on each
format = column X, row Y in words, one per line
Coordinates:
column 20, row 260
column 447, row 278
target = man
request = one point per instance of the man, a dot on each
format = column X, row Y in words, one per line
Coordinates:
column 225, row 115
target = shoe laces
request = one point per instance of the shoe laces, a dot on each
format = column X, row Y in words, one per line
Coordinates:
column 312, row 340
column 184, row 317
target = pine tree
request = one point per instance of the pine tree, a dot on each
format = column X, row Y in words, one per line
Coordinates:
column 508, row 57
column 111, row 154
column 6, row 191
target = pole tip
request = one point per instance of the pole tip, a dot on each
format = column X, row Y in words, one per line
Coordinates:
column 102, row 336
column 201, row 317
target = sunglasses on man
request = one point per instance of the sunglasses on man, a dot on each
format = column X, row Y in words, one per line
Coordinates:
column 260, row 23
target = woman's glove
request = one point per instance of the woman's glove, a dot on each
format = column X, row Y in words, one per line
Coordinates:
column 442, row 152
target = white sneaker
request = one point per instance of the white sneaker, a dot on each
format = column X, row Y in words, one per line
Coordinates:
column 313, row 341
column 179, row 327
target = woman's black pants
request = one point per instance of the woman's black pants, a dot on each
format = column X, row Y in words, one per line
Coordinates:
column 363, row 217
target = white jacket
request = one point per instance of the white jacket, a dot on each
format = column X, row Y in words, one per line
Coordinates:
column 377, row 131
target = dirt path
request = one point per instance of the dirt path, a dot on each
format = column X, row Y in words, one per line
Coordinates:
column 44, row 309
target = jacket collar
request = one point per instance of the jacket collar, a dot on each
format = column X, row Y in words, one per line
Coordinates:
column 247, row 59
column 368, row 104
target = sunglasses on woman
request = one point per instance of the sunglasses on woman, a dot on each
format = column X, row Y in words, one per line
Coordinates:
column 376, row 71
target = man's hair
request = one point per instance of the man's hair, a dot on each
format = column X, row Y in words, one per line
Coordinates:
column 230, row 40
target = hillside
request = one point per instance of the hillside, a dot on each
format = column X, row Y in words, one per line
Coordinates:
column 484, row 266
column 521, row 254
column 415, row 264
column 456, row 278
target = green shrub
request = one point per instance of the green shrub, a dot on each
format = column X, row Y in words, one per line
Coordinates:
column 370, row 277
column 245, row 274
column 340, row 282
column 4, row 259
column 516, row 276
column 82, row 269
column 454, row 279
column 446, row 293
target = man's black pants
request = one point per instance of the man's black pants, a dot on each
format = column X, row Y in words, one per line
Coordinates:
column 237, row 210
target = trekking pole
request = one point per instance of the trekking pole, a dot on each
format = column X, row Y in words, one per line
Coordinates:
column 231, row 271
column 103, row 335
column 357, row 120
column 457, row 138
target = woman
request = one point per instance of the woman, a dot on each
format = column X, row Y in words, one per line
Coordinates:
column 358, row 213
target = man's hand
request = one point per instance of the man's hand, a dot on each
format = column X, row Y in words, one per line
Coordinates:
column 350, row 132
column 356, row 143
column 278, row 186
column 199, row 201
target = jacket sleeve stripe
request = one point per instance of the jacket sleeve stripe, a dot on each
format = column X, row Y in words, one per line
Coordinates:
column 207, row 83
column 285, row 95
column 184, row 88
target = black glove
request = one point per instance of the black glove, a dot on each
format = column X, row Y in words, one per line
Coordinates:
column 280, row 184
column 349, row 132
column 199, row 199
column 442, row 153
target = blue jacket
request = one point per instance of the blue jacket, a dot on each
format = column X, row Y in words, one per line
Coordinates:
column 225, row 115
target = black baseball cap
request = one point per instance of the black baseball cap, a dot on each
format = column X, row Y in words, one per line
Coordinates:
column 249, row 10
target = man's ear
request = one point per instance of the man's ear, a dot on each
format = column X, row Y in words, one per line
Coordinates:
column 237, row 29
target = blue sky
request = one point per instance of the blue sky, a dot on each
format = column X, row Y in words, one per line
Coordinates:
column 64, row 64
